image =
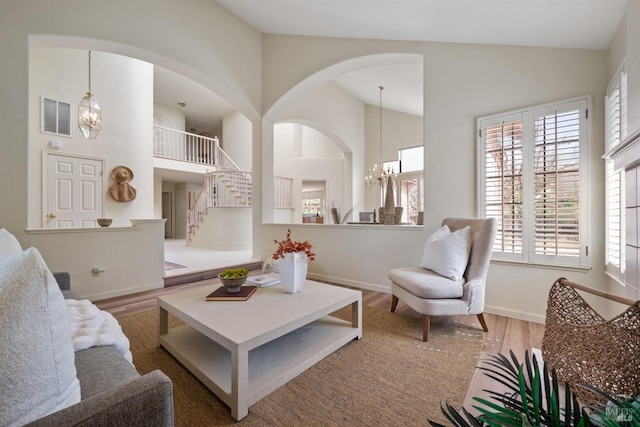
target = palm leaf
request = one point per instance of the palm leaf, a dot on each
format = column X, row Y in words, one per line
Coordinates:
column 533, row 398
column 536, row 395
column 453, row 416
column 524, row 396
column 503, row 414
column 456, row 419
column 616, row 405
column 532, row 392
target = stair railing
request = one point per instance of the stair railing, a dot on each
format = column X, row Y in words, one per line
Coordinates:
column 228, row 188
column 223, row 160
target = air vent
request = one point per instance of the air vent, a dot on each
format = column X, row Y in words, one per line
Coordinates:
column 55, row 117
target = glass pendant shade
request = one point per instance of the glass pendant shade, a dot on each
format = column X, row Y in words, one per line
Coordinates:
column 375, row 176
column 89, row 116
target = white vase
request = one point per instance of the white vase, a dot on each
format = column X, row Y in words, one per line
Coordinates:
column 293, row 271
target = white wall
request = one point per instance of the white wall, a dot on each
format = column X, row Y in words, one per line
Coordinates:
column 283, row 142
column 157, row 197
column 316, row 145
column 461, row 83
column 236, row 139
column 147, row 30
column 283, row 216
column 168, row 117
column 132, row 257
column 123, row 88
column 225, row 228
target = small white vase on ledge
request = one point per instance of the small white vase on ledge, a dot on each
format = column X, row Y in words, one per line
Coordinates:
column 293, row 271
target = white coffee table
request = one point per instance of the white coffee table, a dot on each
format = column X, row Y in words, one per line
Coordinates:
column 244, row 350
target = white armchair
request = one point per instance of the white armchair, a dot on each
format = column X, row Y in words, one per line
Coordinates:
column 431, row 294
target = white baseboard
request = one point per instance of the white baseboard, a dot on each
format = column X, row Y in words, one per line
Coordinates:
column 341, row 281
column 105, row 295
column 515, row 314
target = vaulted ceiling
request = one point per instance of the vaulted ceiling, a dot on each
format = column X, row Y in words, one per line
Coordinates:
column 584, row 24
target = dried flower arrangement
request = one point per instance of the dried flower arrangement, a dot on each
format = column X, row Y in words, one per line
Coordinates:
column 287, row 246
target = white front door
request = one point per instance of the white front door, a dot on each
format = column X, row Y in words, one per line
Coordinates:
column 74, row 187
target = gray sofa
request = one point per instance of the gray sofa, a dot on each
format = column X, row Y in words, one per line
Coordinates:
column 113, row 392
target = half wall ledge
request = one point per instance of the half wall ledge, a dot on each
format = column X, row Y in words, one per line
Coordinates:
column 135, row 226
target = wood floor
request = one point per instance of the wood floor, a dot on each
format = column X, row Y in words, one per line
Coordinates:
column 505, row 334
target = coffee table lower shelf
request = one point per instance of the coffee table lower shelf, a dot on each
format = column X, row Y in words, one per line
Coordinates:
column 269, row 366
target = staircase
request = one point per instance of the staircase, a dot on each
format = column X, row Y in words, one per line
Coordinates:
column 226, row 186
column 222, row 188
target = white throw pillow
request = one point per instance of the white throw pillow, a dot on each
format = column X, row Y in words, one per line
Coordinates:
column 447, row 253
column 9, row 245
column 38, row 373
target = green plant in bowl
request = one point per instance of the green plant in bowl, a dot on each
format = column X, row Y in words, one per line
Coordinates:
column 233, row 278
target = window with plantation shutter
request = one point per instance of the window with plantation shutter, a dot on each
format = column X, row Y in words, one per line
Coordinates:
column 615, row 122
column 503, row 182
column 557, row 182
column 532, row 179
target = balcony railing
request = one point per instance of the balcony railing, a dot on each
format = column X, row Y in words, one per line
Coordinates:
column 183, row 146
column 282, row 192
column 188, row 147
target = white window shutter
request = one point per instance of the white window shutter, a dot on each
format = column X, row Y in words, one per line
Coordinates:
column 615, row 132
column 612, row 119
column 503, row 183
column 557, row 182
column 623, row 105
column 532, row 164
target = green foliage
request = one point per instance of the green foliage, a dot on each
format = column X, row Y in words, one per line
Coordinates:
column 233, row 273
column 533, row 399
column 618, row 411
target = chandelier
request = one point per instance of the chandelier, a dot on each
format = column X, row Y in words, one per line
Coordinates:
column 376, row 176
column 89, row 115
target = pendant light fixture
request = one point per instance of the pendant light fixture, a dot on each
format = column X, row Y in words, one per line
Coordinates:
column 89, row 114
column 376, row 175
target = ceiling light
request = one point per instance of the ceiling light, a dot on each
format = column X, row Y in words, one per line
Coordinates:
column 377, row 174
column 89, row 114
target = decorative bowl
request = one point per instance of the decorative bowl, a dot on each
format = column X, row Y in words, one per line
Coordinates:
column 233, row 284
column 104, row 222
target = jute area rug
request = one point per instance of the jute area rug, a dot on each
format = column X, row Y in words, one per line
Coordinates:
column 388, row 378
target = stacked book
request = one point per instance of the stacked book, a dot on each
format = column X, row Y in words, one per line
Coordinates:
column 264, row 280
column 221, row 294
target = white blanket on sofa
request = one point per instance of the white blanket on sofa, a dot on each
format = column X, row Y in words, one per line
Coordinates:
column 92, row 327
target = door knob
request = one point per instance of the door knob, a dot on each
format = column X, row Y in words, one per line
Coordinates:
column 52, row 215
